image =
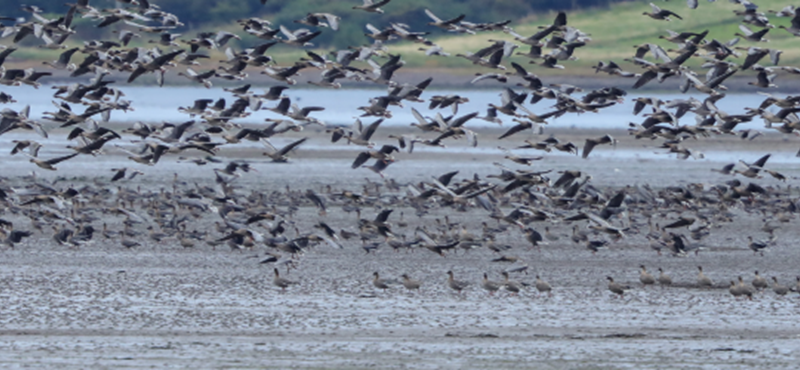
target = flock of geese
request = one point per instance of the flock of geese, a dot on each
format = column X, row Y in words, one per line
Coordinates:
column 509, row 202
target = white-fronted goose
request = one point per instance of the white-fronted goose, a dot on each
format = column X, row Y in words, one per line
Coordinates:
column 660, row 14
column 372, row 7
column 282, row 283
column 454, row 284
column 702, row 280
column 381, row 283
column 778, row 288
column 615, row 287
column 489, row 285
column 543, row 287
column 510, row 285
column 663, row 278
column 744, row 289
column 410, row 283
column 645, row 277
column 759, row 282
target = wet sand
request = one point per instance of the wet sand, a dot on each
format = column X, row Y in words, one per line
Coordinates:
column 160, row 305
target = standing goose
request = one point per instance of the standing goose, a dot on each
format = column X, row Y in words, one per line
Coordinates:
column 744, row 289
column 410, row 283
column 645, row 277
column 454, row 284
column 510, row 285
column 759, row 282
column 615, row 287
column 702, row 280
column 663, row 278
column 542, row 286
column 778, row 288
column 282, row 283
column 489, row 285
column 734, row 290
column 381, row 283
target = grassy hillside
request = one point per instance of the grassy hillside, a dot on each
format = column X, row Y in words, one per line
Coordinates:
column 615, row 31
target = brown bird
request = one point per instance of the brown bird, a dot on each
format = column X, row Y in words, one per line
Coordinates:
column 282, row 283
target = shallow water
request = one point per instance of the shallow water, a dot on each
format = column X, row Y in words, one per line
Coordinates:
column 153, row 104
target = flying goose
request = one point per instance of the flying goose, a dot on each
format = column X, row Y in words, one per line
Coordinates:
column 372, row 7
column 281, row 156
column 660, row 14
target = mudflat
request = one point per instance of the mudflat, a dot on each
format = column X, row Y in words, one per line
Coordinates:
column 162, row 305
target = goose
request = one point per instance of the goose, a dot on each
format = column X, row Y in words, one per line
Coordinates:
column 744, row 289
column 63, row 60
column 615, row 287
column 201, row 78
column 321, row 20
column 282, row 283
column 663, row 278
column 542, row 286
column 363, row 134
column 11, row 238
column 454, row 284
column 385, row 153
column 281, row 156
column 381, row 283
column 49, row 164
column 372, row 7
column 645, row 277
column 157, row 64
column 702, row 280
column 759, row 282
column 749, row 35
column 765, row 78
column 778, row 288
column 592, row 142
column 510, row 285
column 756, row 246
column 410, row 283
column 660, row 14
column 451, row 25
column 490, row 285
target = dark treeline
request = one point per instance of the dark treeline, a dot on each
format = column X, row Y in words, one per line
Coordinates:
column 199, row 14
